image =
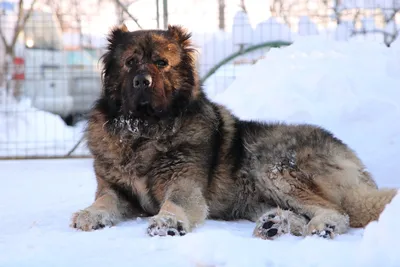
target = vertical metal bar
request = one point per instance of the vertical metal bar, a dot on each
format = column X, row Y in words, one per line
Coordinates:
column 165, row 6
column 158, row 13
column 221, row 14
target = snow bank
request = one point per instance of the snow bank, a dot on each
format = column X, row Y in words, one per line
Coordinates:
column 351, row 88
column 27, row 131
column 379, row 246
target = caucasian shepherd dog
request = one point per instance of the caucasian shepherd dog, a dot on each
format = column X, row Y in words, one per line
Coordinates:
column 162, row 149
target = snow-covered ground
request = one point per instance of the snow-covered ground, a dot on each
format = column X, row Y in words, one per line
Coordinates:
column 351, row 88
column 37, row 198
column 28, row 131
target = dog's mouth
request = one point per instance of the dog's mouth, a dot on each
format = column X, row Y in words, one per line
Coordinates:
column 143, row 110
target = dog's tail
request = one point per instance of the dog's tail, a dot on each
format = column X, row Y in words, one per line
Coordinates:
column 366, row 205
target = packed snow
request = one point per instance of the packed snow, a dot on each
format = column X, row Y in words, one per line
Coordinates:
column 27, row 131
column 351, row 88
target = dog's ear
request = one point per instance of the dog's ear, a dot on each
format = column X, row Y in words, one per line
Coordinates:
column 181, row 35
column 117, row 35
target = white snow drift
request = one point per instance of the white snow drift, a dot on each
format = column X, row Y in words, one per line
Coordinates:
column 28, row 131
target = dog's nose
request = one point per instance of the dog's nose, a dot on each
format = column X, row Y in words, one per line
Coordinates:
column 142, row 81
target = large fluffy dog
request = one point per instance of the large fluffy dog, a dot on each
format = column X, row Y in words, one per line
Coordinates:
column 162, row 149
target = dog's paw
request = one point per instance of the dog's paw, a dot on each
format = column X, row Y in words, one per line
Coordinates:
column 166, row 224
column 328, row 231
column 271, row 225
column 91, row 219
column 328, row 225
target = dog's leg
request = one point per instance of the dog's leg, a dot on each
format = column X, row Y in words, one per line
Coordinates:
column 184, row 207
column 108, row 209
column 326, row 219
column 328, row 223
column 325, row 222
column 294, row 190
column 277, row 222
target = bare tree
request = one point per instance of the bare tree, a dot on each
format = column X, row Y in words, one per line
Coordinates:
column 22, row 17
column 243, row 6
column 78, row 18
column 72, row 13
column 284, row 9
column 221, row 14
column 390, row 31
column 59, row 10
column 337, row 11
column 125, row 10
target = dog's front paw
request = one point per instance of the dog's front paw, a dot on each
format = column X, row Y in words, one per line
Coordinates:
column 91, row 219
column 166, row 224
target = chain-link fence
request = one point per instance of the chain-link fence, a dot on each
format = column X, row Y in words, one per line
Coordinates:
column 50, row 50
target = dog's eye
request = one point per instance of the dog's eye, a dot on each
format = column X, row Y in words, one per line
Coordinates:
column 161, row 63
column 129, row 62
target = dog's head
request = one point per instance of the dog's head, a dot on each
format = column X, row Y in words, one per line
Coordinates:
column 149, row 73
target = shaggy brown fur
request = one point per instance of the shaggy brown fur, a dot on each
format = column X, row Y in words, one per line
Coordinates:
column 162, row 149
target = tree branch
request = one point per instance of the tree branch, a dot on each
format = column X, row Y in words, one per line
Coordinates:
column 3, row 38
column 393, row 16
column 129, row 14
column 374, row 31
column 29, row 12
column 17, row 24
column 21, row 20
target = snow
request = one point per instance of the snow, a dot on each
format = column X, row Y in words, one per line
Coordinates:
column 271, row 30
column 36, row 232
column 307, row 27
column 242, row 32
column 27, row 131
column 384, row 4
column 343, row 31
column 351, row 88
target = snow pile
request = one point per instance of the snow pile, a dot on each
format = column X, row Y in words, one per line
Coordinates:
column 307, row 27
column 27, row 131
column 350, row 88
column 379, row 245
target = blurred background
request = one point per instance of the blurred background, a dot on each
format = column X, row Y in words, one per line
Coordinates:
column 50, row 50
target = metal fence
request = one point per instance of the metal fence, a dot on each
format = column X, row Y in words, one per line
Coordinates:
column 50, row 50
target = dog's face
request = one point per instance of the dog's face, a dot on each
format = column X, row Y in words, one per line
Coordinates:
column 149, row 74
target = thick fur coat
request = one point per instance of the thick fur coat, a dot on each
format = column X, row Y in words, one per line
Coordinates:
column 162, row 149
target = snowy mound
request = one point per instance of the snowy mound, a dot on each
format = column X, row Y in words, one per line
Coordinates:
column 378, row 247
column 351, row 88
column 27, row 131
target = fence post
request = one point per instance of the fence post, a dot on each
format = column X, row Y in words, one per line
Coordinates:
column 158, row 13
column 165, row 6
